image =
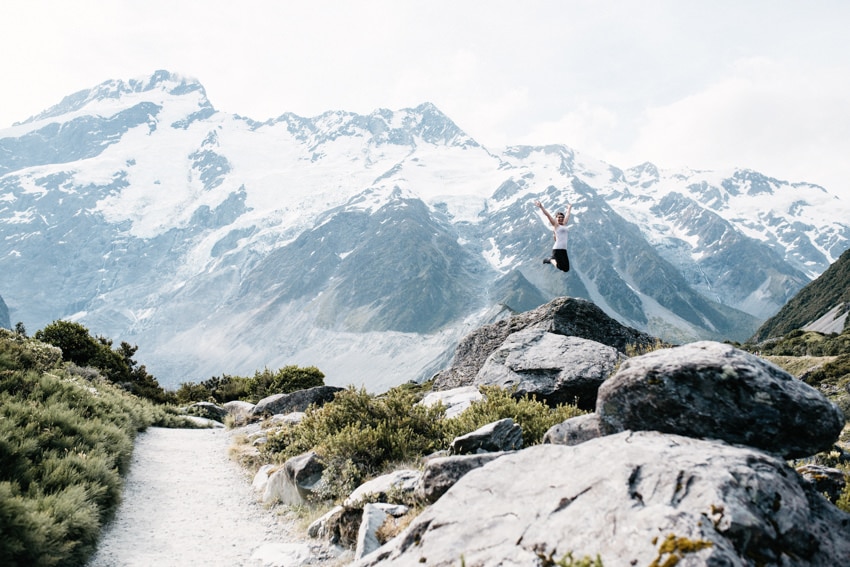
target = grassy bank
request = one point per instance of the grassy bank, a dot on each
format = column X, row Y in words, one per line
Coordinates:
column 66, row 437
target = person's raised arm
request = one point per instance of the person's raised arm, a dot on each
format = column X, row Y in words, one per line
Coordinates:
column 567, row 217
column 552, row 221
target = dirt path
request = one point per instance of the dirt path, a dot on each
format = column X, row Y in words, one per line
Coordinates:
column 185, row 503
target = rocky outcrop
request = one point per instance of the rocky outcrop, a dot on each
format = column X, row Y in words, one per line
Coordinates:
column 660, row 474
column 565, row 316
column 295, row 402
column 379, row 489
column 632, row 498
column 553, row 368
column 342, row 524
column 713, row 390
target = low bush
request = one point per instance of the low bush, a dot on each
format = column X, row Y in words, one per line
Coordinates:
column 66, row 437
column 225, row 388
column 359, row 435
column 833, row 379
column 284, row 381
column 117, row 365
column 803, row 343
column 533, row 416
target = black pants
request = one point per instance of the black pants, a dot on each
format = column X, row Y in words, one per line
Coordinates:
column 560, row 256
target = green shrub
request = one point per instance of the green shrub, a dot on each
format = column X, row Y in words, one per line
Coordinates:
column 225, row 388
column 17, row 352
column 117, row 365
column 533, row 416
column 358, row 434
column 66, row 437
column 803, row 343
column 284, row 381
column 833, row 379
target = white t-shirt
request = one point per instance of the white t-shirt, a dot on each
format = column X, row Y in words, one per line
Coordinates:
column 561, row 237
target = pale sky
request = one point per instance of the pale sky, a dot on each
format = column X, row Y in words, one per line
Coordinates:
column 709, row 84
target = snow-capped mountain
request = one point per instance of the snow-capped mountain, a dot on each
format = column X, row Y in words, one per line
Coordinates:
column 366, row 245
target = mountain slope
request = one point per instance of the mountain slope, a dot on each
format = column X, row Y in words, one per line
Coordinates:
column 5, row 322
column 822, row 305
column 367, row 245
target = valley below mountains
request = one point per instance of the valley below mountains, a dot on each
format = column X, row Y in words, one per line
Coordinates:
column 367, row 245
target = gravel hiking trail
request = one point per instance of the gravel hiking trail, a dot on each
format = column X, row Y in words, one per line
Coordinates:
column 186, row 503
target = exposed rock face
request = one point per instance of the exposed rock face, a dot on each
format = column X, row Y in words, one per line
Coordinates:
column 374, row 516
column 296, row 401
column 563, row 316
column 554, row 368
column 657, row 496
column 713, row 390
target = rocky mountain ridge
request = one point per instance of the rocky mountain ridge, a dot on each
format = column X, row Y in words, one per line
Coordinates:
column 366, row 245
column 822, row 305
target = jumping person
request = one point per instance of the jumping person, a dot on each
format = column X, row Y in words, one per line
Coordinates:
column 559, row 257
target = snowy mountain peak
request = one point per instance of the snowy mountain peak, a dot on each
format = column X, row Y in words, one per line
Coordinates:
column 113, row 90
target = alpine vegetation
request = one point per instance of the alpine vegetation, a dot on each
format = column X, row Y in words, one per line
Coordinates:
column 66, row 436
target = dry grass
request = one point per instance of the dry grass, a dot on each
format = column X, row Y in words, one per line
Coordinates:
column 799, row 365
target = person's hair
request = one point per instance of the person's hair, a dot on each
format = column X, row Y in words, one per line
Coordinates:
column 560, row 214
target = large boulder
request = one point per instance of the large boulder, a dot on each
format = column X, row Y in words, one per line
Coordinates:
column 713, row 390
column 501, row 435
column 566, row 316
column 554, row 368
column 296, row 401
column 207, row 410
column 657, row 499
column 441, row 473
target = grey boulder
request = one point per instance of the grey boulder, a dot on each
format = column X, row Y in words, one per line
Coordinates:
column 633, row 498
column 502, row 435
column 296, row 401
column 574, row 430
column 713, row 390
column 554, row 368
column 441, row 473
column 566, row 316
